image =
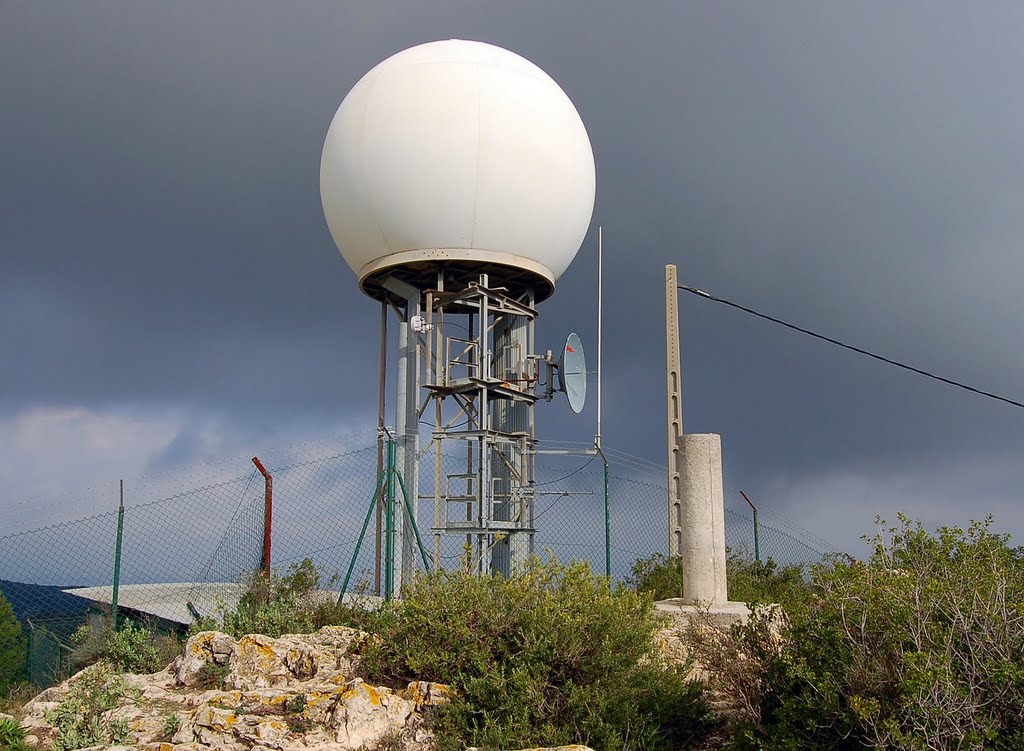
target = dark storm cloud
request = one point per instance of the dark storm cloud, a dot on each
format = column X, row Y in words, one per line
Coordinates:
column 856, row 168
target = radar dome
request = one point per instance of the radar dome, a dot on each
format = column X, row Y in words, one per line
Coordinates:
column 463, row 154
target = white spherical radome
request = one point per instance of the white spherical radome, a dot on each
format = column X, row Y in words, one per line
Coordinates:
column 458, row 152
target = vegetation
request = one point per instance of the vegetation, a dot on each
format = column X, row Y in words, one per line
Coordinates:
column 12, row 735
column 12, row 648
column 132, row 648
column 548, row 657
column 748, row 580
column 80, row 719
column 920, row 647
column 171, row 725
column 16, row 697
column 212, row 675
column 288, row 604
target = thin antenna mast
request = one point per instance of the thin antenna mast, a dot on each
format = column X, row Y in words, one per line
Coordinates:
column 600, row 323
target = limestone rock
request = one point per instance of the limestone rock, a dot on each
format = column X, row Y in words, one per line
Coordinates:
column 35, row 714
column 203, row 649
column 426, row 694
column 365, row 714
column 295, row 693
column 262, row 662
column 157, row 687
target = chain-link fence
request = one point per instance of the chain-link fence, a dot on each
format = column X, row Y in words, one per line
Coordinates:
column 176, row 555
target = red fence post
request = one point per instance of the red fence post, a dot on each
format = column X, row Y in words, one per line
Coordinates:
column 268, row 514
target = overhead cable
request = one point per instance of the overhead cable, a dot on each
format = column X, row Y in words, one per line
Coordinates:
column 858, row 350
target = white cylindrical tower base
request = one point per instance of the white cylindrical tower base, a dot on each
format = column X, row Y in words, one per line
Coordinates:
column 703, row 532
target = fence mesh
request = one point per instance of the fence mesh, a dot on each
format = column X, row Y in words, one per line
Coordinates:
column 185, row 552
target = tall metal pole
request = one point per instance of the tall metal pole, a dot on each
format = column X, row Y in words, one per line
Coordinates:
column 600, row 326
column 117, row 555
column 676, row 443
column 382, row 383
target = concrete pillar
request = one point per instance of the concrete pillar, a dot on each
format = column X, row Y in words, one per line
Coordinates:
column 703, row 521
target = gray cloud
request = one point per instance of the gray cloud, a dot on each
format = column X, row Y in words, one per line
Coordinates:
column 856, row 169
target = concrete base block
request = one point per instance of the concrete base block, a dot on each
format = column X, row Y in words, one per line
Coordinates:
column 722, row 615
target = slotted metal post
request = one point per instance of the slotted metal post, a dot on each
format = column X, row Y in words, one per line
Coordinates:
column 676, row 444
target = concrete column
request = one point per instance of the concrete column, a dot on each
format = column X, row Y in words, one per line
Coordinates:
column 703, row 522
column 403, row 367
column 409, row 446
column 407, row 386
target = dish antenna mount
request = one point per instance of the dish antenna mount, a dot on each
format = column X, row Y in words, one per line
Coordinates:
column 569, row 375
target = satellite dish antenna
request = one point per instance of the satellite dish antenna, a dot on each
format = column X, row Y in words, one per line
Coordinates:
column 572, row 373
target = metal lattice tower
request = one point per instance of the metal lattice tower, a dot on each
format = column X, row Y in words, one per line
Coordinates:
column 482, row 386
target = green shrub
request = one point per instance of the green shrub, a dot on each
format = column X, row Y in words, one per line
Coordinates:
column 288, row 604
column 79, row 719
column 765, row 582
column 660, row 576
column 12, row 735
column 132, row 648
column 212, row 675
column 12, row 648
column 922, row 646
column 171, row 725
column 747, row 580
column 550, row 656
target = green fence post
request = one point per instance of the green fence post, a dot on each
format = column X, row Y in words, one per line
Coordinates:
column 117, row 555
column 389, row 526
column 607, row 526
column 412, row 520
column 28, row 653
column 359, row 542
column 757, row 539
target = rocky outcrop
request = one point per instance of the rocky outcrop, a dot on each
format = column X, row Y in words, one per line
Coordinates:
column 296, row 693
column 257, row 693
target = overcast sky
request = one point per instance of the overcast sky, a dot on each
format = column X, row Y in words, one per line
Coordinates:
column 170, row 294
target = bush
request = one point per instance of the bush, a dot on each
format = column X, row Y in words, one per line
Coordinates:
column 133, row 648
column 79, row 719
column 765, row 582
column 660, row 576
column 548, row 657
column 747, row 580
column 289, row 604
column 12, row 735
column 922, row 647
column 12, row 648
column 171, row 725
